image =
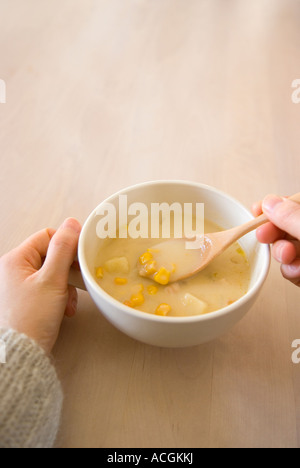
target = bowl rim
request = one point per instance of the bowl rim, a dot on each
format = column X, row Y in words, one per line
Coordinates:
column 96, row 288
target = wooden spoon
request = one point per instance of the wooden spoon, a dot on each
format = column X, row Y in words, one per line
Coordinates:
column 187, row 262
column 75, row 279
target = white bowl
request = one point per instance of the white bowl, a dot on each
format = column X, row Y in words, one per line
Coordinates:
column 175, row 332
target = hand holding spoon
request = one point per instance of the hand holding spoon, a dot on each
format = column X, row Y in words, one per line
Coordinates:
column 176, row 263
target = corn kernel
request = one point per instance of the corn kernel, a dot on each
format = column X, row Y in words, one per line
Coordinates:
column 99, row 272
column 152, row 289
column 120, row 281
column 162, row 276
column 146, row 257
column 150, row 267
column 163, row 309
column 128, row 303
column 137, row 299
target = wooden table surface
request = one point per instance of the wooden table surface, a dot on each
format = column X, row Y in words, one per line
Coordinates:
column 108, row 93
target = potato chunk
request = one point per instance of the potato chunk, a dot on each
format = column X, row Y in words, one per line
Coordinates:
column 117, row 265
column 193, row 305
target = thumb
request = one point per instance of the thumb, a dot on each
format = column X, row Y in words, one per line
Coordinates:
column 284, row 213
column 61, row 252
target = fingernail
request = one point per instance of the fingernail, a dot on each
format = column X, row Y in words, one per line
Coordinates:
column 270, row 202
column 293, row 269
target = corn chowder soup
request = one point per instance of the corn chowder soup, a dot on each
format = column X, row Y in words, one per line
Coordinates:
column 221, row 283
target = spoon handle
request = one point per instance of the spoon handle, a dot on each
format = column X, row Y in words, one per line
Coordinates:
column 240, row 231
column 75, row 279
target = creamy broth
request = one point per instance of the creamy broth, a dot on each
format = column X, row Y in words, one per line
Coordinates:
column 223, row 282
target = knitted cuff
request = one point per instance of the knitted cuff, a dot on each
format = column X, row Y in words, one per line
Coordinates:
column 30, row 394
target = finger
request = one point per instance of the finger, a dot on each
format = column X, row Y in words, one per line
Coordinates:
column 61, row 252
column 292, row 272
column 268, row 233
column 286, row 251
column 284, row 213
column 34, row 249
column 256, row 208
column 71, row 306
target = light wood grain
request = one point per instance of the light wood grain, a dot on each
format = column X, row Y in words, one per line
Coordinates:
column 104, row 94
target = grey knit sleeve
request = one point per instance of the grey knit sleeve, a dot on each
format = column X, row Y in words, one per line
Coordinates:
column 30, row 394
